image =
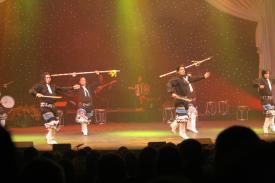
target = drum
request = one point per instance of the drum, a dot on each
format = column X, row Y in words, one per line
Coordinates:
column 7, row 101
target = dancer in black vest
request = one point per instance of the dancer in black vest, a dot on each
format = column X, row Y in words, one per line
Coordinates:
column 85, row 103
column 46, row 92
column 179, row 88
column 264, row 86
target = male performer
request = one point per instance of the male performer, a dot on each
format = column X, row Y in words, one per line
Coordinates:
column 265, row 91
column 180, row 90
column 142, row 91
column 3, row 116
column 46, row 92
column 3, row 113
column 84, row 95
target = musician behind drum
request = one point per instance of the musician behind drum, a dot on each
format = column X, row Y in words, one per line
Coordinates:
column 264, row 86
column 179, row 88
column 3, row 116
column 84, row 95
column 6, row 102
column 46, row 92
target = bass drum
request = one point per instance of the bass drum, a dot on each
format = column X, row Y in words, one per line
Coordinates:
column 7, row 102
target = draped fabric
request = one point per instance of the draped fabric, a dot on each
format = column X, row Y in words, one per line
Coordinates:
column 263, row 13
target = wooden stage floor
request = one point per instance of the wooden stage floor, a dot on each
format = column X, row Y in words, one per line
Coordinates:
column 134, row 135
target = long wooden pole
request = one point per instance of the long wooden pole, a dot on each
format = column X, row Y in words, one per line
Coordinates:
column 196, row 63
column 81, row 73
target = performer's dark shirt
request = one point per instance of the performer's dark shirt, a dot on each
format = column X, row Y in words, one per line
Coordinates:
column 265, row 91
column 81, row 93
column 43, row 89
column 180, row 87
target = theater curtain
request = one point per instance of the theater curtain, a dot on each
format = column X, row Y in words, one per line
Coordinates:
column 263, row 13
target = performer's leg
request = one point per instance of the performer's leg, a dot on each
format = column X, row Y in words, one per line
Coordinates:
column 266, row 125
column 271, row 124
column 191, row 124
column 82, row 117
column 53, row 141
column 51, row 123
column 84, row 127
column 174, row 125
column 182, row 131
column 51, row 136
column 182, row 118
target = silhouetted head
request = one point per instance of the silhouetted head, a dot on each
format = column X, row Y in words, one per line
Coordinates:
column 111, row 168
column 169, row 161
column 8, row 164
column 43, row 170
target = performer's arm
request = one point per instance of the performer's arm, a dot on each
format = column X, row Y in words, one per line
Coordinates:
column 171, row 86
column 198, row 78
column 35, row 90
column 62, row 90
column 259, row 84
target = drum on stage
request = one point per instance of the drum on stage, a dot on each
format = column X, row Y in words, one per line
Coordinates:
column 7, row 102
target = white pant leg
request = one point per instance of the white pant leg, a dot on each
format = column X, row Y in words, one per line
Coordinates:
column 174, row 125
column 267, row 122
column 51, row 136
column 84, row 128
column 191, row 124
column 182, row 131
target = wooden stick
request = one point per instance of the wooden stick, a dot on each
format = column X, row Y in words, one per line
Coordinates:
column 196, row 63
column 54, row 97
column 79, row 73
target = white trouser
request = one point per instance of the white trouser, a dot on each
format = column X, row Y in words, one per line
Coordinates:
column 192, row 113
column 84, row 128
column 51, row 136
column 52, row 127
column 269, row 123
column 182, row 128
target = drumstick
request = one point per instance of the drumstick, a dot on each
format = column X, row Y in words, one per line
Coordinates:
column 54, row 97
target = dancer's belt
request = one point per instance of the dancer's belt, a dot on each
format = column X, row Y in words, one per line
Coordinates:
column 44, row 104
column 266, row 97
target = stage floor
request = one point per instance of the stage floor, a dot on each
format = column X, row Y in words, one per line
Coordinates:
column 134, row 135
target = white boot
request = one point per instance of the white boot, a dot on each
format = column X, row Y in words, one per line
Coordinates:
column 191, row 124
column 182, row 131
column 266, row 124
column 174, row 125
column 84, row 127
column 51, row 136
